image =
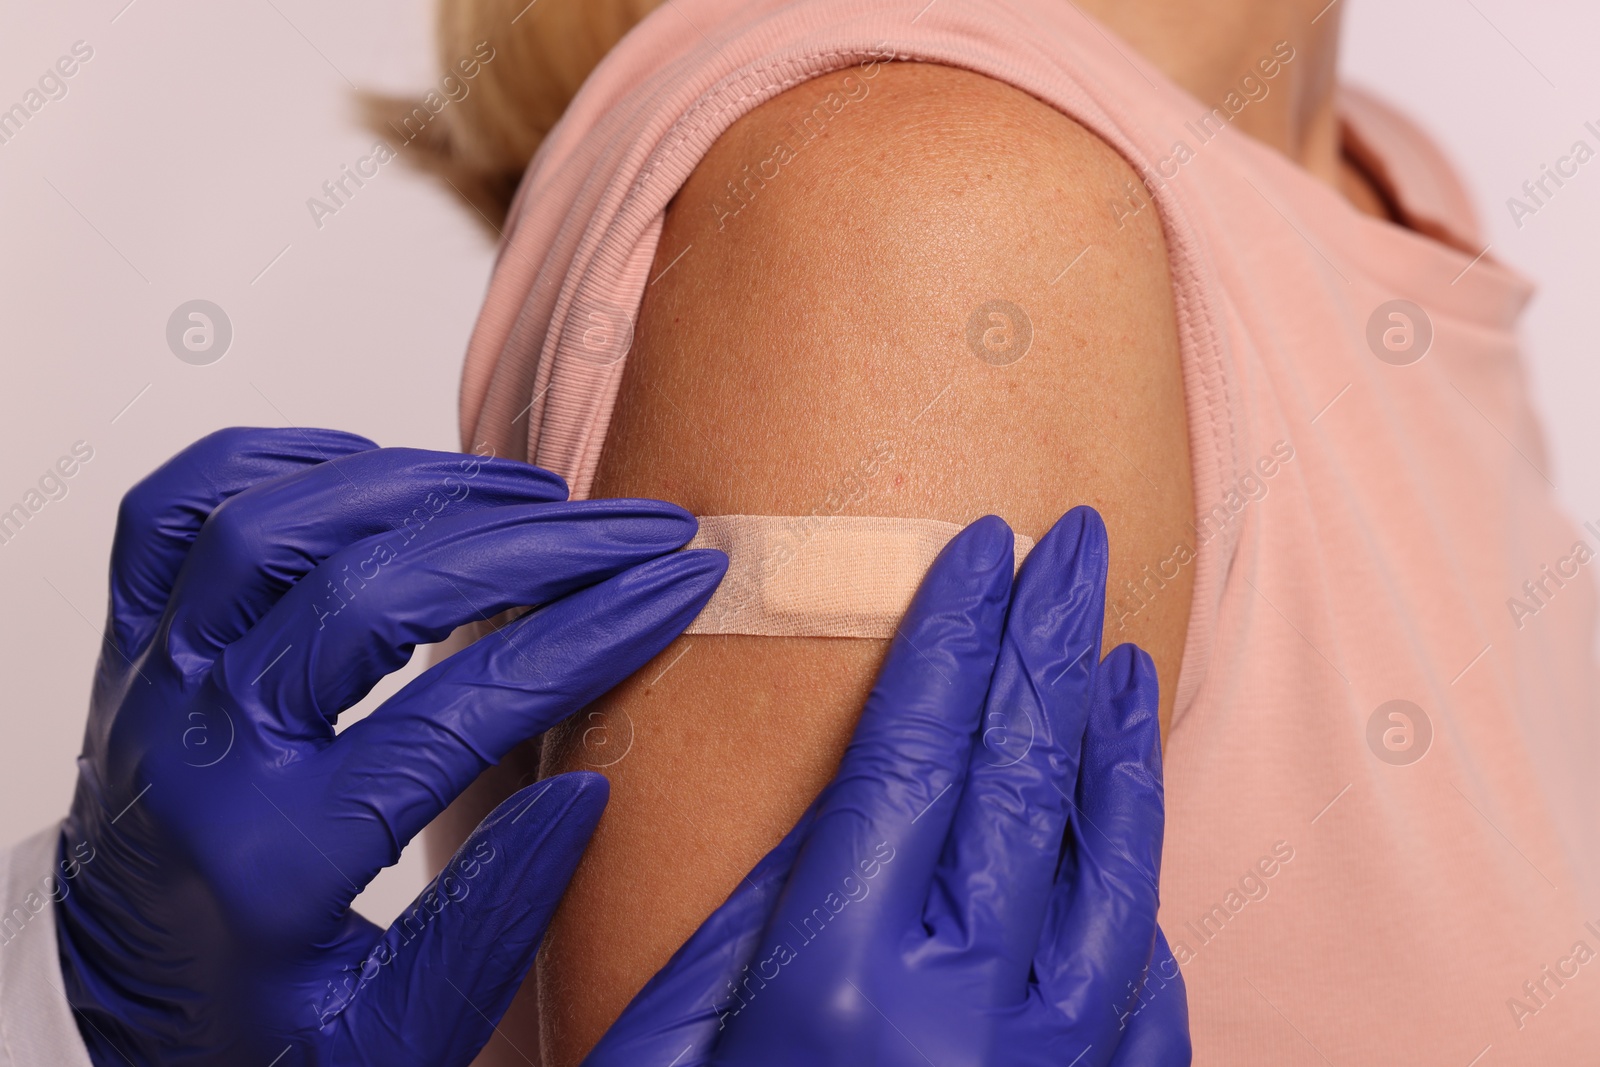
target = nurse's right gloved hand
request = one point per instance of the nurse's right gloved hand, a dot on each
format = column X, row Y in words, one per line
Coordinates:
column 261, row 583
column 978, row 885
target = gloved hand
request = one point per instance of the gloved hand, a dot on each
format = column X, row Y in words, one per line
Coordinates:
column 261, row 583
column 978, row 885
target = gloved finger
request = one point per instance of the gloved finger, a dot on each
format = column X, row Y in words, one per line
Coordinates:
column 406, row 761
column 440, row 979
column 891, row 804
column 160, row 517
column 1157, row 1022
column 995, row 877
column 359, row 614
column 675, row 1018
column 1101, row 928
column 263, row 540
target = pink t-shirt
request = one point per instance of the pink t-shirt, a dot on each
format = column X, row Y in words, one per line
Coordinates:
column 1379, row 842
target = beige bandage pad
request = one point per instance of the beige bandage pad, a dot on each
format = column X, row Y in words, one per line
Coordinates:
column 809, row 576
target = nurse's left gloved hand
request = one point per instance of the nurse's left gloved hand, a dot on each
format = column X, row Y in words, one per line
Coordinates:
column 261, row 583
column 978, row 885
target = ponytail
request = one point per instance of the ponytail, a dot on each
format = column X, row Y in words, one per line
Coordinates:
column 542, row 52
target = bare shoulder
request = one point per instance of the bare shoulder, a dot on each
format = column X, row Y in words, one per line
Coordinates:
column 904, row 137
column 909, row 290
column 920, row 258
column 902, row 291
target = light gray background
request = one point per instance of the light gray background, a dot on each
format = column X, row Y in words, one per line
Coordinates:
column 178, row 167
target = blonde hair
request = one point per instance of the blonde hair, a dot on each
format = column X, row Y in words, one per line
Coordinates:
column 542, row 52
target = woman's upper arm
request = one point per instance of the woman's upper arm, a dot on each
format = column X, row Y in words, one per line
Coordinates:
column 848, row 337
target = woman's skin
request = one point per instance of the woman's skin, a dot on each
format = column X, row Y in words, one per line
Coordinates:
column 820, row 335
column 1205, row 46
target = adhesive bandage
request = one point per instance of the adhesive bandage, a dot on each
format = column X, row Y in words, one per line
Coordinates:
column 808, row 576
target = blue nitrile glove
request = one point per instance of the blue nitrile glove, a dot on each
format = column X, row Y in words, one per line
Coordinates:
column 262, row 582
column 978, row 885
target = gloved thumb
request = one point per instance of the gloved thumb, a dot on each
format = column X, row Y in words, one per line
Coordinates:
column 1158, row 1019
column 675, row 1019
column 437, row 984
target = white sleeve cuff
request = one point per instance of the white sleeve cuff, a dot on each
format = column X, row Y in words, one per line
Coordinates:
column 36, row 1025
